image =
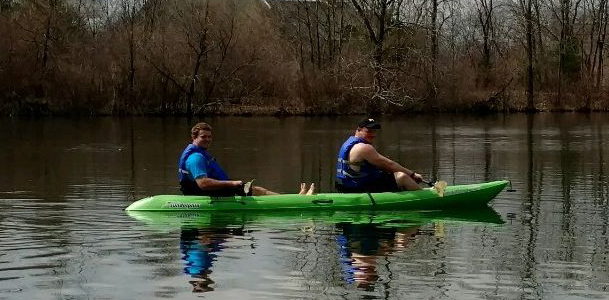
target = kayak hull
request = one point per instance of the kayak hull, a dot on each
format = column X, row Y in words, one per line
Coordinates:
column 170, row 220
column 455, row 197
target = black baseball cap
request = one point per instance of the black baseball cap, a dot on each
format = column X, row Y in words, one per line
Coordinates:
column 369, row 123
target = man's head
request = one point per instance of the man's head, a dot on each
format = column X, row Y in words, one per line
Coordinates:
column 201, row 135
column 366, row 129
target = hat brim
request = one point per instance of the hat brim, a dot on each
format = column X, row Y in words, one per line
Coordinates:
column 371, row 126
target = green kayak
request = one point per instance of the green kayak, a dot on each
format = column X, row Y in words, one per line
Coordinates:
column 455, row 197
column 170, row 220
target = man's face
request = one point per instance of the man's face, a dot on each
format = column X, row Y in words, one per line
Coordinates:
column 367, row 134
column 203, row 140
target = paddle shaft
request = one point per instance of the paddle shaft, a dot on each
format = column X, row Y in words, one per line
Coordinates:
column 427, row 183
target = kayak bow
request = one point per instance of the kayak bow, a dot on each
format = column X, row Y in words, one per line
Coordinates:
column 455, row 197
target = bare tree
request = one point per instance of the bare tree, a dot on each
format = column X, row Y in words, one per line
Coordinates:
column 486, row 13
column 376, row 17
column 526, row 14
column 593, row 52
column 195, row 56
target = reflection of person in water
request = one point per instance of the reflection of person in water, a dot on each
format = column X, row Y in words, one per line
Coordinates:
column 361, row 244
column 199, row 251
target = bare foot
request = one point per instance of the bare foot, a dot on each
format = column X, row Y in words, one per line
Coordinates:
column 311, row 189
column 303, row 188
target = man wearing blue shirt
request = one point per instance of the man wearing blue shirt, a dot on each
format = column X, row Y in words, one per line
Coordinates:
column 200, row 174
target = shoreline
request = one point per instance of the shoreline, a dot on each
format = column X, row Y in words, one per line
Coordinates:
column 41, row 108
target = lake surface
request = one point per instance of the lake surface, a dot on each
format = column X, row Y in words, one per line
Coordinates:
column 65, row 182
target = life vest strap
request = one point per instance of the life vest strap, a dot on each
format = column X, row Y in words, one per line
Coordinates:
column 353, row 174
column 344, row 161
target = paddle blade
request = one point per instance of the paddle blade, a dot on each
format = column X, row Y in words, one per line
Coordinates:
column 440, row 187
column 247, row 187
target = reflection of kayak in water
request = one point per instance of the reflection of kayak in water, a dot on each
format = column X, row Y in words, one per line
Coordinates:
column 396, row 219
column 455, row 197
column 361, row 235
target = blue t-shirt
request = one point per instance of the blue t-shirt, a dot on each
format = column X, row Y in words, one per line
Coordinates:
column 196, row 165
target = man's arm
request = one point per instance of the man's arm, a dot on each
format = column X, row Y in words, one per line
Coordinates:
column 370, row 154
column 208, row 184
column 197, row 166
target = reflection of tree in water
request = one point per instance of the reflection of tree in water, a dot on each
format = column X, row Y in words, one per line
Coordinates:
column 199, row 249
column 316, row 263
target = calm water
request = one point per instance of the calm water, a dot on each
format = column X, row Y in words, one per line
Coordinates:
column 64, row 234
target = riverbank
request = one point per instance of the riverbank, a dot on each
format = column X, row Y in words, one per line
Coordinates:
column 287, row 107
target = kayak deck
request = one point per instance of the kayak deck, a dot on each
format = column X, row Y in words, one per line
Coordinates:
column 458, row 196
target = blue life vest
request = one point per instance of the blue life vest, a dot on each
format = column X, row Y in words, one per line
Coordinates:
column 214, row 170
column 348, row 177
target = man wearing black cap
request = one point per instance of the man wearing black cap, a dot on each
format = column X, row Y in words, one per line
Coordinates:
column 362, row 169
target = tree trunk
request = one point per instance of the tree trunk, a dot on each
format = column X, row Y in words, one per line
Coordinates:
column 193, row 81
column 600, row 44
column 434, row 52
column 310, row 32
column 530, row 50
column 539, row 47
column 131, row 56
column 485, row 17
column 317, row 36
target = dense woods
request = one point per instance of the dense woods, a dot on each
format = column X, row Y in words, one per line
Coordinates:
column 301, row 56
